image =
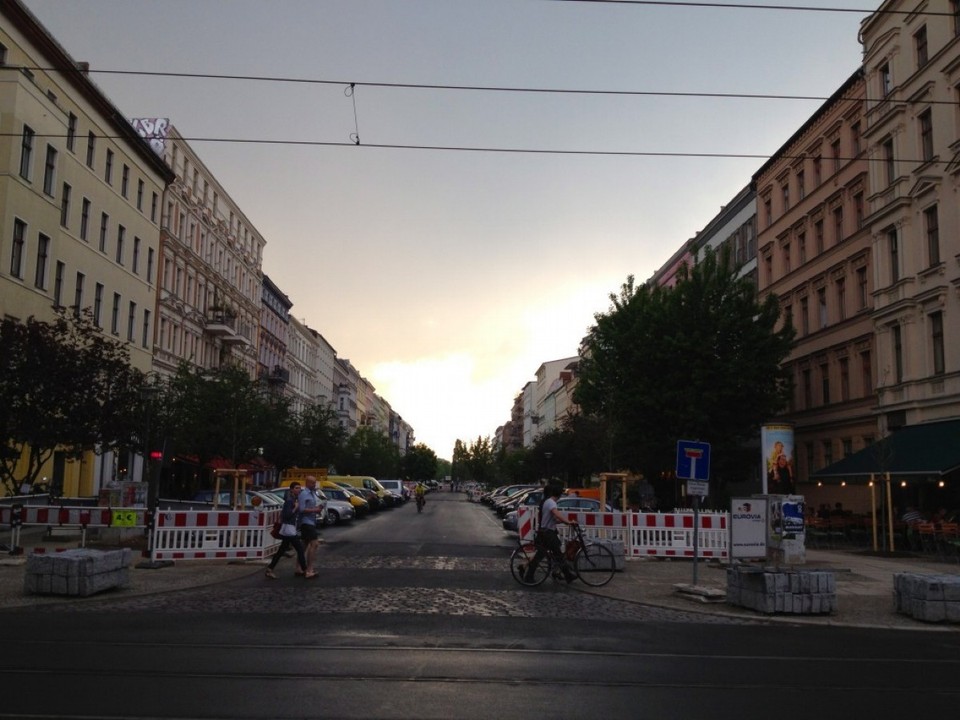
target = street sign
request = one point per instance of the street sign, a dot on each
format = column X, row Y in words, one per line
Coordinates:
column 698, row 487
column 693, row 460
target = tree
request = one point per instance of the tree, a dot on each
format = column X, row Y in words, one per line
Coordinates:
column 320, row 435
column 701, row 360
column 420, row 463
column 370, row 452
column 64, row 386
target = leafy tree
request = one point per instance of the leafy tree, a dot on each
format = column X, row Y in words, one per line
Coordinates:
column 480, row 462
column 321, row 436
column 420, row 463
column 370, row 452
column 64, row 386
column 701, row 360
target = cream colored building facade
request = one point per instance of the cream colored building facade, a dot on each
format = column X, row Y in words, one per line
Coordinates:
column 911, row 54
column 208, row 301
column 815, row 256
column 79, row 194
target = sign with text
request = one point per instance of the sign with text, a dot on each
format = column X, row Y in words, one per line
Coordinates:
column 748, row 527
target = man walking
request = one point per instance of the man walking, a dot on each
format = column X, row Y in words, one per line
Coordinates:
column 310, row 509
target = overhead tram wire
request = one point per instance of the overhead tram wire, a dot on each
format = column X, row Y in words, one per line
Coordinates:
column 748, row 6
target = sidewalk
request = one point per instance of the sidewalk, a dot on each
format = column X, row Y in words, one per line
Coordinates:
column 864, row 584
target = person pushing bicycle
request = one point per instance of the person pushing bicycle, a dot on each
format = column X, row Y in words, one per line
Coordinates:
column 548, row 540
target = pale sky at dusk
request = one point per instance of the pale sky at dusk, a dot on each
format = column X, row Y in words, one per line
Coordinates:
column 447, row 277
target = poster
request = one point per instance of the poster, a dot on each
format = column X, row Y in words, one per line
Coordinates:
column 777, row 465
column 748, row 527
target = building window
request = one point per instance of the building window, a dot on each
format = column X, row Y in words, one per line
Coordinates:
column 26, row 152
column 838, row 225
column 804, row 316
column 58, row 285
column 65, row 206
column 817, row 171
column 818, row 235
column 131, row 321
column 154, row 201
column 84, row 219
column 786, row 258
column 121, row 235
column 19, row 246
column 125, row 180
column 802, row 248
column 136, row 255
column 827, row 453
column 846, row 445
column 862, row 290
column 43, row 252
column 78, row 294
column 115, row 315
column 936, row 336
column 91, row 149
column 98, row 305
column 807, row 389
column 104, row 225
column 897, row 335
column 146, row 328
column 841, row 299
column 866, row 370
column 50, row 171
column 920, row 46
column 931, row 224
column 825, row 383
column 785, row 190
column 888, row 163
column 801, row 188
column 886, row 80
column 844, row 379
column 140, row 195
column 858, row 210
column 768, row 211
column 855, row 138
column 894, row 244
column 149, row 265
column 71, row 132
column 822, row 307
column 835, row 150
column 108, row 168
column 926, row 135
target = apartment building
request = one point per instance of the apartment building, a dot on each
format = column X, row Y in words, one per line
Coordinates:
column 815, row 257
column 79, row 193
column 208, row 299
column 274, row 332
column 303, row 354
column 734, row 230
column 911, row 56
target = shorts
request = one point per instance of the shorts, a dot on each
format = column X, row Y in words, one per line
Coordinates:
column 308, row 533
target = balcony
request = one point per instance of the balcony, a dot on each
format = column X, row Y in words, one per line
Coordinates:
column 223, row 325
column 278, row 376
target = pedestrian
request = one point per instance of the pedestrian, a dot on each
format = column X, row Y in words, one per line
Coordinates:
column 289, row 515
column 548, row 539
column 310, row 509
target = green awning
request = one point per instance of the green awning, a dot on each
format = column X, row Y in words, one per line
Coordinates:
column 927, row 450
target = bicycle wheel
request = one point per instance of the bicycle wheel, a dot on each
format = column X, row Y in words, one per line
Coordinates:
column 595, row 565
column 520, row 559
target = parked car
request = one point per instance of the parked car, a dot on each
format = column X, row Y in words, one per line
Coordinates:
column 335, row 512
column 372, row 498
column 567, row 503
column 253, row 499
column 360, row 506
column 397, row 488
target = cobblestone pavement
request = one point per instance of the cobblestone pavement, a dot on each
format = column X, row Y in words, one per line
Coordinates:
column 251, row 593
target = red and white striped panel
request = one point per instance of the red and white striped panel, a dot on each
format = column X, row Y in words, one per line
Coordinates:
column 55, row 515
column 527, row 522
column 708, row 521
column 672, row 535
column 212, row 518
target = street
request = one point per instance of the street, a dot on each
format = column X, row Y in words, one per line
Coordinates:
column 417, row 616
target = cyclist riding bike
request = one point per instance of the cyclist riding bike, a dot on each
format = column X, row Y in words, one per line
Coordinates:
column 548, row 540
column 420, row 492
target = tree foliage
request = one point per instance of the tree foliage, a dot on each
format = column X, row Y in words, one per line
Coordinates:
column 701, row 360
column 420, row 463
column 65, row 386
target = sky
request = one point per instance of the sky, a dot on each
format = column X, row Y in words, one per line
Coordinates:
column 448, row 276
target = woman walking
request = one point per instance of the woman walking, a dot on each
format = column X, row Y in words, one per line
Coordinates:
column 289, row 517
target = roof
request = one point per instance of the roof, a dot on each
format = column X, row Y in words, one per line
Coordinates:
column 928, row 449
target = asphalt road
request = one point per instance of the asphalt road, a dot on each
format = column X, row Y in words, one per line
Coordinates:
column 416, row 616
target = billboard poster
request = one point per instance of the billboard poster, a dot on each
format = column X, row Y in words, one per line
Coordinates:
column 777, row 470
column 748, row 527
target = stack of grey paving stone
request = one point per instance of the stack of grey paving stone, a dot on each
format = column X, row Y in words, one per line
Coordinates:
column 79, row 573
column 770, row 591
column 930, row 598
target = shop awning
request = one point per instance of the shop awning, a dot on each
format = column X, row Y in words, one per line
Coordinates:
column 928, row 450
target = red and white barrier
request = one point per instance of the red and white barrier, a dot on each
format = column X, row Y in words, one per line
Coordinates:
column 58, row 516
column 213, row 534
column 645, row 534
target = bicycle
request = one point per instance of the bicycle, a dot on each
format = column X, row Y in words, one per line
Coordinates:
column 593, row 564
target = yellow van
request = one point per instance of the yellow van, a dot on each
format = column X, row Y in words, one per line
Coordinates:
column 367, row 482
